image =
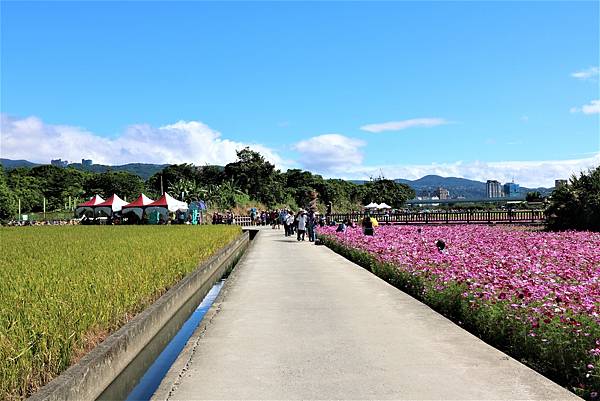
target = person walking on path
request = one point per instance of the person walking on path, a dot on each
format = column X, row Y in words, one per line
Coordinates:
column 302, row 220
column 311, row 225
column 290, row 223
column 274, row 219
column 283, row 219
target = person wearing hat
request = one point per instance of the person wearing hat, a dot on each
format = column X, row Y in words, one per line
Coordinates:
column 302, row 220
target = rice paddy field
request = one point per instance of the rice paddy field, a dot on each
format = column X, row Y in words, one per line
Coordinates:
column 532, row 294
column 64, row 289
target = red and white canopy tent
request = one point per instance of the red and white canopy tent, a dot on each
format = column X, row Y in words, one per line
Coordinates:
column 108, row 207
column 166, row 204
column 88, row 207
column 137, row 206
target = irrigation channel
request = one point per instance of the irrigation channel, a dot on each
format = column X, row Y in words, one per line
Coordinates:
column 143, row 375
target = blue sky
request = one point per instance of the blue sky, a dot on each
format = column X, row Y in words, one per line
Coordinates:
column 474, row 89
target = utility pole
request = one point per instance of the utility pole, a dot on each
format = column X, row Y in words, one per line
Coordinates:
column 44, row 208
column 19, row 209
column 161, row 186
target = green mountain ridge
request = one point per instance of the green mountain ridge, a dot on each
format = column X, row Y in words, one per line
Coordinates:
column 143, row 170
column 458, row 187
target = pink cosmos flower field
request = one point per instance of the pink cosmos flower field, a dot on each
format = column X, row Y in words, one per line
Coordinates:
column 536, row 294
column 548, row 273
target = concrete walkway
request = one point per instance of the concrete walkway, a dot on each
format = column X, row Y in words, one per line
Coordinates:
column 297, row 321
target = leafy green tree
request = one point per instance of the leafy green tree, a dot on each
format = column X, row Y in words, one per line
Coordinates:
column 272, row 191
column 255, row 176
column 341, row 194
column 27, row 189
column 57, row 184
column 388, row 191
column 169, row 176
column 122, row 183
column 576, row 205
column 534, row 196
column 8, row 200
column 208, row 175
column 299, row 184
column 183, row 189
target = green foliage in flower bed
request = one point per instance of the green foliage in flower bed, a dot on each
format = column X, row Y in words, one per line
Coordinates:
column 554, row 348
column 63, row 289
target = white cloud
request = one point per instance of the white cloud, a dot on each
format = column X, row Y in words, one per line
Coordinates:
column 592, row 108
column 586, row 74
column 330, row 153
column 182, row 142
column 526, row 173
column 404, row 124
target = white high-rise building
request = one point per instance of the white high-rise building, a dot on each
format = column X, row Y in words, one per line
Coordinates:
column 493, row 189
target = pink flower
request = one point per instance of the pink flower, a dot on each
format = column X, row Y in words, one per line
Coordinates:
column 542, row 274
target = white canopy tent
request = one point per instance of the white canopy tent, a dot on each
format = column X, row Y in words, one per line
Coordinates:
column 372, row 205
column 111, row 205
column 87, row 208
column 384, row 205
column 137, row 206
column 166, row 204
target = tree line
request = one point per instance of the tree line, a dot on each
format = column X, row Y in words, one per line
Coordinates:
column 250, row 180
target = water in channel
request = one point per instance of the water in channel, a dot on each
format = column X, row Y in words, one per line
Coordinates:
column 151, row 379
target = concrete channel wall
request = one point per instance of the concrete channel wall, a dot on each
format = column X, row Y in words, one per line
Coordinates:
column 87, row 379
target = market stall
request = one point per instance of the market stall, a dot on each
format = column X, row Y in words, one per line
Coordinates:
column 158, row 211
column 136, row 207
column 109, row 207
column 87, row 208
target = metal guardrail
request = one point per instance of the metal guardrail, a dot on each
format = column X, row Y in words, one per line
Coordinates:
column 449, row 217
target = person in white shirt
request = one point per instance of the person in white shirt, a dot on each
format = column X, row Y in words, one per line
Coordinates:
column 290, row 222
column 302, row 219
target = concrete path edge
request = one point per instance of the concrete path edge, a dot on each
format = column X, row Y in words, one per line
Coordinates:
column 171, row 380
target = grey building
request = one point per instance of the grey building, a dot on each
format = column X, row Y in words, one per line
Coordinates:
column 59, row 163
column 442, row 193
column 493, row 189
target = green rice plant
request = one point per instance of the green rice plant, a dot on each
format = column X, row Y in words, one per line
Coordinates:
column 63, row 289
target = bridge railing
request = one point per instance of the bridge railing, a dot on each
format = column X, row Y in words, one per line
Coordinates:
column 243, row 221
column 448, row 217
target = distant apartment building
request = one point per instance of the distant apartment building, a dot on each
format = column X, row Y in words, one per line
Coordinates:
column 86, row 162
column 559, row 183
column 442, row 193
column 59, row 163
column 493, row 189
column 511, row 189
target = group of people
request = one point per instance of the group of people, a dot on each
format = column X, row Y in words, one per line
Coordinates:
column 265, row 217
column 23, row 223
column 223, row 218
column 301, row 224
column 368, row 224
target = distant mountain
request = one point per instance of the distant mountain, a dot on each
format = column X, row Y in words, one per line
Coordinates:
column 12, row 164
column 458, row 187
column 143, row 170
